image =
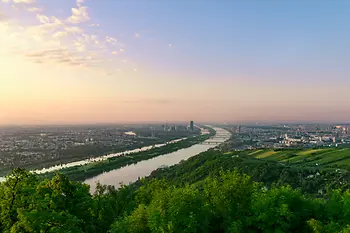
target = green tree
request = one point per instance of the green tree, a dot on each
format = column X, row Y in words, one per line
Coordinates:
column 229, row 198
column 58, row 205
column 16, row 193
column 281, row 210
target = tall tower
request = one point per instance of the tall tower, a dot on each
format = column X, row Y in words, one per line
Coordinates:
column 153, row 133
column 192, row 125
column 166, row 126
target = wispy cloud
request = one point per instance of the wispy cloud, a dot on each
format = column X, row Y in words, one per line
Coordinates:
column 43, row 19
column 79, row 15
column 111, row 40
column 94, row 25
column 54, row 39
column 20, row 1
column 79, row 2
column 60, row 34
column 63, row 56
column 34, row 9
column 24, row 1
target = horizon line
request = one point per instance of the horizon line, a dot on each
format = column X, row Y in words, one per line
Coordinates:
column 261, row 122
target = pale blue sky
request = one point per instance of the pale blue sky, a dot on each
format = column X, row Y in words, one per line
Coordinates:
column 131, row 60
column 272, row 40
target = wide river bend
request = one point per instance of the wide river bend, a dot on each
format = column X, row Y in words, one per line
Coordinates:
column 144, row 168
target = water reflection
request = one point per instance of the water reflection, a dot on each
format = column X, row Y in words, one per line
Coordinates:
column 132, row 172
column 101, row 158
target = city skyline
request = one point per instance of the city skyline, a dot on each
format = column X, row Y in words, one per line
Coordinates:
column 86, row 61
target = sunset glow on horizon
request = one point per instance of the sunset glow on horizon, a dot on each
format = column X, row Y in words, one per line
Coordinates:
column 89, row 61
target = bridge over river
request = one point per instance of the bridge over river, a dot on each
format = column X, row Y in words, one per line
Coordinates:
column 217, row 139
column 210, row 143
column 144, row 168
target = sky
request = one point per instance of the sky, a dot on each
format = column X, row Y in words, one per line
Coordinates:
column 107, row 61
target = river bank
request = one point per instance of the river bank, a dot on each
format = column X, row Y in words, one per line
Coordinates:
column 133, row 172
column 92, row 169
column 74, row 154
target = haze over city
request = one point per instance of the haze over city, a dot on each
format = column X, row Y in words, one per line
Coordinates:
column 89, row 61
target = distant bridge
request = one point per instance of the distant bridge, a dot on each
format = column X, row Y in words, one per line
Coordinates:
column 210, row 143
column 221, row 136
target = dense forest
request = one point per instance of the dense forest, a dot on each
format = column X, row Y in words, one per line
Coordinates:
column 210, row 192
column 310, row 180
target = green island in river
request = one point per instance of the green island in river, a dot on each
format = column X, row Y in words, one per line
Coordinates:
column 83, row 172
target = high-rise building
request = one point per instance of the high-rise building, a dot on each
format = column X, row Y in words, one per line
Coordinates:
column 153, row 133
column 192, row 125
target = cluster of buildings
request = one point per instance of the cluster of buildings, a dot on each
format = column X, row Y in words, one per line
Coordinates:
column 284, row 136
column 167, row 127
column 34, row 145
column 328, row 136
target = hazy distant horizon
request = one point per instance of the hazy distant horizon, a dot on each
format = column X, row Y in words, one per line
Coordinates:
column 88, row 61
column 179, row 122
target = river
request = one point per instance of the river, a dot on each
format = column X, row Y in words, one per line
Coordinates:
column 144, row 168
column 104, row 157
column 101, row 158
column 96, row 159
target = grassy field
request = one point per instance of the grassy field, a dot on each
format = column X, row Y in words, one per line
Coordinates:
column 266, row 154
column 322, row 158
column 255, row 152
